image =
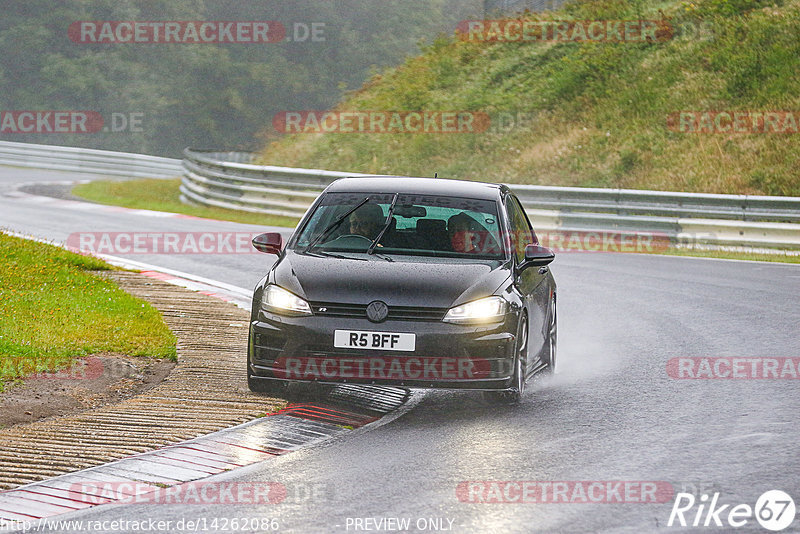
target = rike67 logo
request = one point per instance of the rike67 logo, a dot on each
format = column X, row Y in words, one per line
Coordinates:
column 774, row 510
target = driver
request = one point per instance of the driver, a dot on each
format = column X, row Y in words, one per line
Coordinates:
column 462, row 230
column 367, row 221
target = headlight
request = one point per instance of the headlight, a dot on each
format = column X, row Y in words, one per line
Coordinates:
column 484, row 311
column 278, row 300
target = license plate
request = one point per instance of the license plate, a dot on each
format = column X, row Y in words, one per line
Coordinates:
column 356, row 339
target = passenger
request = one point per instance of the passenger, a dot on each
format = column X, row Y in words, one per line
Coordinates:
column 367, row 221
column 462, row 230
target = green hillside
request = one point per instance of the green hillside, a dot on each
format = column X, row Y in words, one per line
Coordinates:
column 595, row 114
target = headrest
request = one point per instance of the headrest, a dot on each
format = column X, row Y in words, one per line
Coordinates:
column 431, row 226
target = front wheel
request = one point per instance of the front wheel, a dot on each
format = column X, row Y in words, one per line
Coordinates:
column 514, row 394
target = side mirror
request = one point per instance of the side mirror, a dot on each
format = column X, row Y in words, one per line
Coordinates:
column 537, row 256
column 270, row 243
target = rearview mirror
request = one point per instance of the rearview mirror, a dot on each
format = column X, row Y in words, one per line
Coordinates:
column 270, row 243
column 409, row 211
column 537, row 256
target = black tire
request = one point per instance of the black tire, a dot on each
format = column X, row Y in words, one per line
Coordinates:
column 514, row 394
column 552, row 338
column 270, row 387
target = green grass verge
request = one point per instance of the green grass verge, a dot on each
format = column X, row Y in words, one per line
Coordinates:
column 733, row 255
column 164, row 195
column 54, row 309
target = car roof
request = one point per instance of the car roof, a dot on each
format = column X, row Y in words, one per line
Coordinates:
column 422, row 186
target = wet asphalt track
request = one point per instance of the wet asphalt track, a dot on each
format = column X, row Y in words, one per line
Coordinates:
column 611, row 412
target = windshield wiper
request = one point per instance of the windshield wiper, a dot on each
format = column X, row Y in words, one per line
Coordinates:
column 334, row 225
column 386, row 225
column 382, row 256
column 332, row 255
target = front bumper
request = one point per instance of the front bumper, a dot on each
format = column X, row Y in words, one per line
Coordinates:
column 447, row 356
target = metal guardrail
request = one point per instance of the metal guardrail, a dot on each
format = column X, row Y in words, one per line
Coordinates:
column 231, row 180
column 90, row 161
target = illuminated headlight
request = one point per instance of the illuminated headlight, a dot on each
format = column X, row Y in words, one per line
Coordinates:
column 278, row 300
column 478, row 311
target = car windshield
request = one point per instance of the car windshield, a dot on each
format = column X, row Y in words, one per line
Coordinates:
column 420, row 225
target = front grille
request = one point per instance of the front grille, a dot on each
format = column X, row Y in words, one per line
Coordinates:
column 338, row 310
column 397, row 313
column 401, row 313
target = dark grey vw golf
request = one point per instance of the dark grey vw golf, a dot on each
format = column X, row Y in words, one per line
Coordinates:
column 413, row 282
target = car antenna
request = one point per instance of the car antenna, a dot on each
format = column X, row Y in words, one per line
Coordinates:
column 436, row 175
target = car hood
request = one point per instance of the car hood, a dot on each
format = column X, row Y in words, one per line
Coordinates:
column 406, row 281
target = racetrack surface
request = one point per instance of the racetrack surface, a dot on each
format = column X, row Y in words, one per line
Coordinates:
column 55, row 220
column 612, row 413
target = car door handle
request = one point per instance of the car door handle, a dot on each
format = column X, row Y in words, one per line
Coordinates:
column 543, row 270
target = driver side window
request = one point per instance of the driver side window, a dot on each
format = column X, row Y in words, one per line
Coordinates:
column 521, row 232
